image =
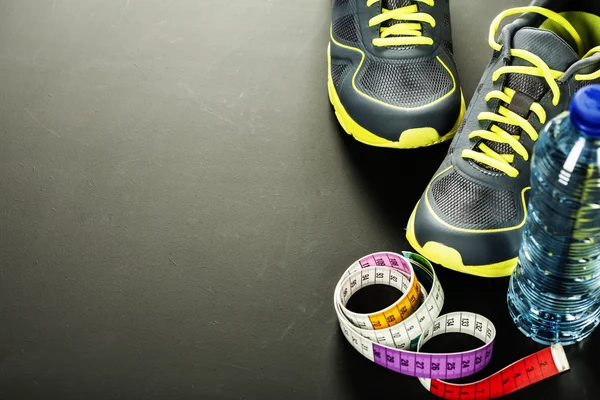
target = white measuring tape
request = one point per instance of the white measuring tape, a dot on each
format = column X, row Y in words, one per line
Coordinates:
column 393, row 337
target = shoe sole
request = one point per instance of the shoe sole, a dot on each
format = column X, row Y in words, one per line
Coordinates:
column 451, row 258
column 409, row 139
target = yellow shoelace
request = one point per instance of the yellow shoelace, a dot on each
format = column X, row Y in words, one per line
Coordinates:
column 411, row 31
column 484, row 154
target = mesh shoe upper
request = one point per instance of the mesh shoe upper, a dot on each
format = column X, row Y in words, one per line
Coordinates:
column 466, row 204
column 411, row 83
column 399, row 81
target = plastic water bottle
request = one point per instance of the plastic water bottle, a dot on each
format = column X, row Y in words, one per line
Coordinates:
column 554, row 292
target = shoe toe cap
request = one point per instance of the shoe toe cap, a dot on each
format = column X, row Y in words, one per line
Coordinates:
column 464, row 226
column 389, row 99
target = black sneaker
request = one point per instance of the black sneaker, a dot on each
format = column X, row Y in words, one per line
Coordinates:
column 392, row 77
column 471, row 216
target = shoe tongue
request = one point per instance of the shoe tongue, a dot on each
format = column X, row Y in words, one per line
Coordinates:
column 554, row 51
column 392, row 4
column 548, row 46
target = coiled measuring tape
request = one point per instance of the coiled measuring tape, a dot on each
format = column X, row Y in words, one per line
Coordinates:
column 393, row 337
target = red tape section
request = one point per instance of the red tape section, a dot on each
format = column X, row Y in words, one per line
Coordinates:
column 525, row 372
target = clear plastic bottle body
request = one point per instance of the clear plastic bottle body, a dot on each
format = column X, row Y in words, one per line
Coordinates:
column 554, row 292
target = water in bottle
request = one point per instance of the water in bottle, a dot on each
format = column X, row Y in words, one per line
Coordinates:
column 554, row 292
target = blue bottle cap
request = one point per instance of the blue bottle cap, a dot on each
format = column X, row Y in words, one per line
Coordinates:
column 585, row 111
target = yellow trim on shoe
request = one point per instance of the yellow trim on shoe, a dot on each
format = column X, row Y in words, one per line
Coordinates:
column 450, row 258
column 409, row 139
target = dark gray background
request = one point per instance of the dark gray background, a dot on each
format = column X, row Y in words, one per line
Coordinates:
column 177, row 204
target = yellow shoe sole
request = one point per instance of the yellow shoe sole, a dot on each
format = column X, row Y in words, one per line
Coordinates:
column 450, row 258
column 409, row 139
